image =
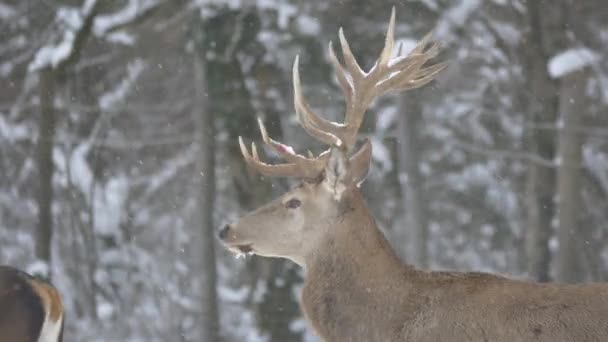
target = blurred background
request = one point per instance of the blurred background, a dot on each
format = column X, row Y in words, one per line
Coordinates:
column 119, row 157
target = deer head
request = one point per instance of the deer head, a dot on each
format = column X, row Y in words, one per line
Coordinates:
column 292, row 225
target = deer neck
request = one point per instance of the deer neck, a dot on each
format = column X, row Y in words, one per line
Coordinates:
column 355, row 261
column 355, row 239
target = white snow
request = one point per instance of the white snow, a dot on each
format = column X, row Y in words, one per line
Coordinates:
column 308, row 25
column 6, row 11
column 457, row 16
column 508, row 32
column 406, row 45
column 121, row 37
column 38, row 267
column 105, row 310
column 431, row 4
column 233, row 295
column 81, row 173
column 54, row 53
column 13, row 132
column 381, row 154
column 571, row 60
column 108, row 204
column 285, row 10
column 109, row 198
column 70, row 17
column 271, row 41
column 104, row 23
column 112, row 98
column 597, row 163
column 386, row 118
column 88, row 6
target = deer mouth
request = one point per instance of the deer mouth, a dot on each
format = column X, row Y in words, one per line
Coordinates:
column 245, row 249
column 241, row 250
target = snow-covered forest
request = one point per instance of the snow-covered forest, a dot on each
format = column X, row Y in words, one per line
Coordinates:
column 119, row 157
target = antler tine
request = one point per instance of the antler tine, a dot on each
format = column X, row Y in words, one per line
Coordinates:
column 421, row 78
column 287, row 152
column 297, row 165
column 363, row 84
column 387, row 75
column 345, row 84
column 360, row 88
column 423, row 42
column 355, row 71
column 253, row 161
column 400, row 62
column 318, row 127
column 389, row 42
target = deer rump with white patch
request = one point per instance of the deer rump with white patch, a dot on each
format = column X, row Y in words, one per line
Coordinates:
column 31, row 309
column 356, row 288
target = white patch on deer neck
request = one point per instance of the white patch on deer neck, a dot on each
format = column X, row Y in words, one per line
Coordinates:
column 50, row 329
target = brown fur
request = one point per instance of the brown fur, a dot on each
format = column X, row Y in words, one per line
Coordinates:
column 356, row 289
column 50, row 298
column 24, row 301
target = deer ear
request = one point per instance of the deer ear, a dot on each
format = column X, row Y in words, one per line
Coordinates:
column 337, row 173
column 360, row 162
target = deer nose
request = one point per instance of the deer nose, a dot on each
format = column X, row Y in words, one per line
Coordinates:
column 223, row 232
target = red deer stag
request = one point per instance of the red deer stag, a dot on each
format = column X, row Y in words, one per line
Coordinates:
column 356, row 288
column 30, row 309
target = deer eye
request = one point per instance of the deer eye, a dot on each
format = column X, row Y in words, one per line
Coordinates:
column 293, row 203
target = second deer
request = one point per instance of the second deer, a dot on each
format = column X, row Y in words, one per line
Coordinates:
column 31, row 309
column 356, row 288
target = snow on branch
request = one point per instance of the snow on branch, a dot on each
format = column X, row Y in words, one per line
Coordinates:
column 52, row 55
column 132, row 12
column 11, row 131
column 76, row 24
column 456, row 17
column 570, row 61
column 110, row 99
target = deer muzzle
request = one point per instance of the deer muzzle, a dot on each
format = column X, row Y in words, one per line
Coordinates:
column 228, row 237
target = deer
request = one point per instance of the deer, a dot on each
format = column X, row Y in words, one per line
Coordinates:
column 31, row 309
column 356, row 288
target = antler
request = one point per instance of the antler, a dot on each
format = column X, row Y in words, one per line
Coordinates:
column 297, row 165
column 360, row 88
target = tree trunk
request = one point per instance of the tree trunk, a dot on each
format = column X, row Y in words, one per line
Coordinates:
column 572, row 108
column 209, row 320
column 542, row 109
column 46, row 136
column 46, row 128
column 411, row 181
